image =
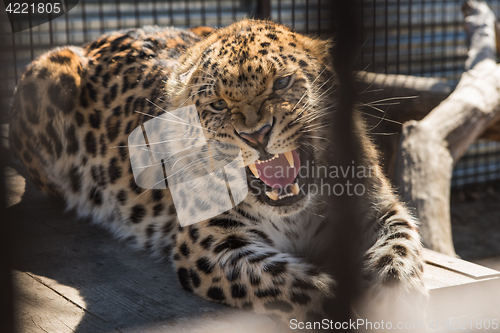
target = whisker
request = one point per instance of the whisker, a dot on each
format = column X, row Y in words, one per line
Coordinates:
column 175, row 122
column 394, row 98
column 373, row 107
column 324, row 69
column 360, row 49
column 381, row 120
column 371, row 84
column 321, row 86
column 318, row 112
column 383, row 133
column 318, row 137
column 370, row 91
column 310, row 128
column 201, row 84
column 384, row 104
column 311, row 116
column 317, row 99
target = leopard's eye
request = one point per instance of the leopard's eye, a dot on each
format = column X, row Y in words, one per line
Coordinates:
column 282, row 82
column 219, row 105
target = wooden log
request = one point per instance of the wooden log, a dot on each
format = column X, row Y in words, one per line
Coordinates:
column 429, row 148
column 405, row 97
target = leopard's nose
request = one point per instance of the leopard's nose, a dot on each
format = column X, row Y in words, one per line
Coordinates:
column 258, row 136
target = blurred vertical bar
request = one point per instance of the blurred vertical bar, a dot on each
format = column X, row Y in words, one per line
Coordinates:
column 101, row 18
column 319, row 17
column 7, row 320
column 293, row 13
column 171, row 12
column 444, row 28
column 186, row 13
column 398, row 28
column 51, row 31
column 219, row 13
column 279, row 11
column 233, row 9
column 497, row 159
column 363, row 42
column 66, row 20
column 203, row 13
column 456, row 32
column 374, row 17
column 14, row 55
column 422, row 40
column 7, row 324
column 118, row 15
column 263, row 9
column 136, row 14
column 84, row 20
column 32, row 51
column 343, row 246
column 410, row 35
column 155, row 12
column 386, row 36
column 433, row 38
column 307, row 16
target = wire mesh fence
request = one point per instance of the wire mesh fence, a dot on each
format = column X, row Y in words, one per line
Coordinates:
column 426, row 38
column 411, row 37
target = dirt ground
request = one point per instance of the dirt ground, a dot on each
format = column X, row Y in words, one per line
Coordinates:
column 475, row 215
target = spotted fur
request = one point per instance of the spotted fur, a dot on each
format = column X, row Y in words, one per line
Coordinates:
column 75, row 107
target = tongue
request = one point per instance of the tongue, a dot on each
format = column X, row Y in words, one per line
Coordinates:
column 278, row 173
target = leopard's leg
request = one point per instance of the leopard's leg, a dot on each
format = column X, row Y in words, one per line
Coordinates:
column 394, row 267
column 228, row 262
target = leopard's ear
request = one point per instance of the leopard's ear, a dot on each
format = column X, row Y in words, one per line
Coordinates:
column 202, row 31
column 325, row 48
column 320, row 48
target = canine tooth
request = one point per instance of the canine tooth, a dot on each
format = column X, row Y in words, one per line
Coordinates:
column 295, row 189
column 253, row 168
column 273, row 195
column 289, row 158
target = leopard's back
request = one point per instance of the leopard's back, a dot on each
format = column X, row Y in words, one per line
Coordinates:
column 71, row 117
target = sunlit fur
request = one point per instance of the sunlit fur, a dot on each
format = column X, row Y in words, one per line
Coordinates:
column 75, row 107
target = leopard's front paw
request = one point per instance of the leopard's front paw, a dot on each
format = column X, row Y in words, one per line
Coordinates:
column 403, row 300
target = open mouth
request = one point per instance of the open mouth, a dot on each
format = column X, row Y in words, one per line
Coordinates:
column 278, row 178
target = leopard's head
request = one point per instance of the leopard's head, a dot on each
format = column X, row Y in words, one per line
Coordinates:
column 262, row 87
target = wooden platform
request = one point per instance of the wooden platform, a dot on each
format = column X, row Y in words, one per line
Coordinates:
column 74, row 277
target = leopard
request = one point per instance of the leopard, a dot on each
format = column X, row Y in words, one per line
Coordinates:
column 257, row 85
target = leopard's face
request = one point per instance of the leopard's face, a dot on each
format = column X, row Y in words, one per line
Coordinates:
column 261, row 87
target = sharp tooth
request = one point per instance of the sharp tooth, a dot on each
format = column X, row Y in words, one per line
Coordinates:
column 295, row 188
column 289, row 158
column 273, row 195
column 253, row 168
